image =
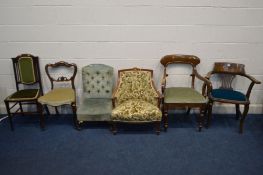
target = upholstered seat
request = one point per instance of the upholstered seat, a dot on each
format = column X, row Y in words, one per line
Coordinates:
column 136, row 110
column 95, row 109
column 228, row 94
column 96, row 105
column 183, row 95
column 23, row 95
column 58, row 97
column 136, row 99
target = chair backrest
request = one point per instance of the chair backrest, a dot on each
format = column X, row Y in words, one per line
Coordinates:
column 227, row 72
column 136, row 83
column 26, row 70
column 98, row 81
column 63, row 78
column 180, row 59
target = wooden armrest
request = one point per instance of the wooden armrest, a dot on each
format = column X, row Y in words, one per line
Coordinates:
column 252, row 79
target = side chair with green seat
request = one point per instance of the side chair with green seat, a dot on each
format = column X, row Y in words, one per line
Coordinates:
column 60, row 96
column 224, row 73
column 135, row 99
column 98, row 82
column 183, row 97
column 28, row 86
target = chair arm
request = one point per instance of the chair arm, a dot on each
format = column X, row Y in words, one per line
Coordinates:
column 208, row 75
column 252, row 79
column 163, row 83
column 207, row 84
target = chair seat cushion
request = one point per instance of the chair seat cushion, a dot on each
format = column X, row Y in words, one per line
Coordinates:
column 136, row 110
column 228, row 94
column 95, row 109
column 58, row 96
column 26, row 94
column 183, row 95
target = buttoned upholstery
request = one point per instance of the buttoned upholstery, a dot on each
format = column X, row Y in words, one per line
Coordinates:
column 96, row 105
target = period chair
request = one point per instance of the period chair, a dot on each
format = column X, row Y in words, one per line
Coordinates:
column 182, row 97
column 59, row 96
column 98, row 81
column 223, row 74
column 28, row 85
column 135, row 99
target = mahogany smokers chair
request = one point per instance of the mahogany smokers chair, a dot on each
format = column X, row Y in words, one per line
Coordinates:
column 183, row 97
column 225, row 73
column 28, row 86
column 60, row 96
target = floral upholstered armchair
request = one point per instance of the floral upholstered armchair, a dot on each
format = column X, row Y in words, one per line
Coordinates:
column 98, row 80
column 135, row 99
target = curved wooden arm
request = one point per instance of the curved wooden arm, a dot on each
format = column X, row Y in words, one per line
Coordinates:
column 207, row 86
column 163, row 83
column 252, row 79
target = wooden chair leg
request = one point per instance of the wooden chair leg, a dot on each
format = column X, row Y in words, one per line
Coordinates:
column 46, row 108
column 42, row 117
column 75, row 120
column 246, row 108
column 209, row 113
column 21, row 108
column 114, row 128
column 188, row 111
column 165, row 120
column 9, row 115
column 237, row 111
column 56, row 108
column 158, row 127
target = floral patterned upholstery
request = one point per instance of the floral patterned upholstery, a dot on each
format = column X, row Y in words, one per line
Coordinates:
column 136, row 97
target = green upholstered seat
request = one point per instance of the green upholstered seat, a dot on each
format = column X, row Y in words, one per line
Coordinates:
column 58, row 97
column 95, row 109
column 183, row 95
column 22, row 95
column 228, row 94
column 136, row 110
column 96, row 105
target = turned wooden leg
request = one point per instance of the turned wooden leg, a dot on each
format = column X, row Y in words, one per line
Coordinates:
column 114, row 128
column 158, row 127
column 41, row 115
column 201, row 118
column 56, row 109
column 188, row 111
column 9, row 115
column 237, row 111
column 165, row 117
column 246, row 108
column 21, row 108
column 209, row 113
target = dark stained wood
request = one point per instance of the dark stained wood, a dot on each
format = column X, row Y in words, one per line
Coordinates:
column 193, row 61
column 227, row 72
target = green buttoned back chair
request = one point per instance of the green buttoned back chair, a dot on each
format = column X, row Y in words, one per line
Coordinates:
column 28, row 85
column 98, row 81
column 223, row 74
column 183, row 97
column 135, row 98
column 60, row 96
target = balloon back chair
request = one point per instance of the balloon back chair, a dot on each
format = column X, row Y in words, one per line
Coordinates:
column 59, row 96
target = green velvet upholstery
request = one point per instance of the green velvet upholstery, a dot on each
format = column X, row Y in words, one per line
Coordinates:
column 228, row 94
column 136, row 97
column 96, row 105
column 22, row 95
column 183, row 95
column 26, row 70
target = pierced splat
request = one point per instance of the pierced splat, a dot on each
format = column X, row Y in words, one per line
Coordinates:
column 226, row 81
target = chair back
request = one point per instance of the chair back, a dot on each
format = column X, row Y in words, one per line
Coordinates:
column 98, row 81
column 26, row 70
column 136, row 83
column 62, row 78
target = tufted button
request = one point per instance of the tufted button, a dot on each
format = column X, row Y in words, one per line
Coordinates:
column 108, row 82
column 98, row 82
column 102, row 87
column 87, row 82
column 88, row 91
column 97, row 72
column 103, row 78
column 107, row 91
column 92, row 78
column 98, row 91
column 87, row 73
column 92, row 86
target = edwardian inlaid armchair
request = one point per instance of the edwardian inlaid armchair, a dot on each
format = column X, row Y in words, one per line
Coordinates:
column 135, row 98
column 28, row 85
column 98, row 80
column 59, row 96
column 225, row 73
column 183, row 97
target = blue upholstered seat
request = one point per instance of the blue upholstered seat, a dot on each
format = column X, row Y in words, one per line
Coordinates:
column 228, row 94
